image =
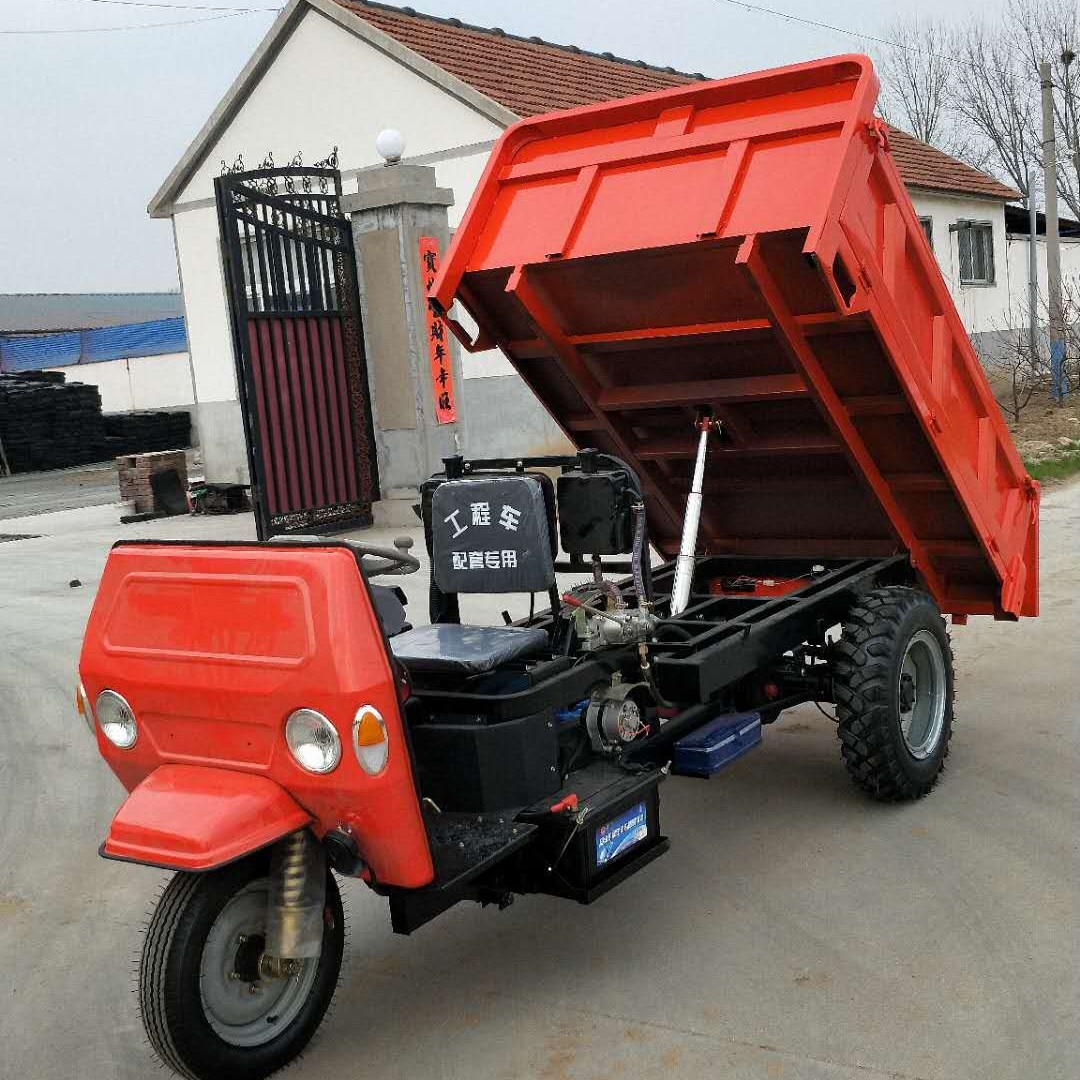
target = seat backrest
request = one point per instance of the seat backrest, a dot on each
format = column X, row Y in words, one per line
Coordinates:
column 491, row 534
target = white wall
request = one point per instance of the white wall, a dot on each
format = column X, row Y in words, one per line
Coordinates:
column 1018, row 269
column 141, row 382
column 991, row 308
column 983, row 308
column 326, row 88
column 205, row 308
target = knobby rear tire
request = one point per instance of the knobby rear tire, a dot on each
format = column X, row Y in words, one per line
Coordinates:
column 170, row 997
column 867, row 689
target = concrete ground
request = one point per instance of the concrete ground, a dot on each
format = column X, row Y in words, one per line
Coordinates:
column 62, row 489
column 795, row 930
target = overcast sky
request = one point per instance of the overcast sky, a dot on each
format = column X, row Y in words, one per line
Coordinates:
column 92, row 122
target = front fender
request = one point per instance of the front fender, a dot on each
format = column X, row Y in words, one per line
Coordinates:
column 194, row 817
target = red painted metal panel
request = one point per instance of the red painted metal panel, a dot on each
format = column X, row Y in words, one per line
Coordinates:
column 304, row 479
column 313, row 359
column 748, row 244
column 337, row 353
column 317, row 490
column 213, row 647
column 304, row 412
column 283, row 439
column 190, row 817
column 332, row 423
column 265, row 404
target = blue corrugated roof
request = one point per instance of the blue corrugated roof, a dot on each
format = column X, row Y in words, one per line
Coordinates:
column 33, row 352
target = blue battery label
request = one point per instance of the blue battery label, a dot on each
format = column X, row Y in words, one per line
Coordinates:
column 621, row 833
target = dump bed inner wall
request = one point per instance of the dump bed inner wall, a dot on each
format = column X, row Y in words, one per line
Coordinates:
column 748, row 245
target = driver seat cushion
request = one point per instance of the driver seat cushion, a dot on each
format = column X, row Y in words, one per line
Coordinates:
column 453, row 649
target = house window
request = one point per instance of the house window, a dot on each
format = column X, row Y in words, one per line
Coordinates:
column 976, row 242
column 927, row 224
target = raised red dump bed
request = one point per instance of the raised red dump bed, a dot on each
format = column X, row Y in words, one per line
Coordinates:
column 748, row 244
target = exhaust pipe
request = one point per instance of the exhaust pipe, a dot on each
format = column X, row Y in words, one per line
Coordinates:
column 294, row 926
column 684, row 566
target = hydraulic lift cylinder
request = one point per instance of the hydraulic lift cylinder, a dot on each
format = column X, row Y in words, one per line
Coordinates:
column 684, row 565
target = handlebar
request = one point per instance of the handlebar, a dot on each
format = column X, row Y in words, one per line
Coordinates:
column 384, row 560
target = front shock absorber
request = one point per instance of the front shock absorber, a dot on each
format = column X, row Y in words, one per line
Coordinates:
column 294, row 928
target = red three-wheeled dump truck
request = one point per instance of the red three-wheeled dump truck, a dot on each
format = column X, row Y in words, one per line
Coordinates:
column 723, row 295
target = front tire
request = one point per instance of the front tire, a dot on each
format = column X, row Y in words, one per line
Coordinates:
column 206, row 1010
column 893, row 687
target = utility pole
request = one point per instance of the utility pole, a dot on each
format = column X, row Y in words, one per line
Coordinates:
column 1053, row 245
column 1033, row 269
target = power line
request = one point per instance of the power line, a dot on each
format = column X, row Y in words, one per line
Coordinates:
column 1023, row 77
column 824, row 26
column 857, row 34
column 135, row 26
column 176, row 7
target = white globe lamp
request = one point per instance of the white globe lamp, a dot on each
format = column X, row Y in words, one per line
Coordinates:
column 390, row 145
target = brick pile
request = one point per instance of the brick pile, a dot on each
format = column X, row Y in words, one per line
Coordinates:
column 136, row 469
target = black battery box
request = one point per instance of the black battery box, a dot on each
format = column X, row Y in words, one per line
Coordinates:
column 595, row 515
column 603, row 826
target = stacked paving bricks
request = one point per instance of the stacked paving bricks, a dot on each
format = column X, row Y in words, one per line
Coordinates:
column 135, row 471
column 141, row 432
column 48, row 423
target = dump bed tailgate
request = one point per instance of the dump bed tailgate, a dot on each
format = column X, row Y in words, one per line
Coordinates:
column 748, row 245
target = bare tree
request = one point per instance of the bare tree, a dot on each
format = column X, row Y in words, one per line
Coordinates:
column 1050, row 30
column 918, row 88
column 998, row 102
column 973, row 91
column 916, row 79
column 1070, row 305
column 1019, row 371
column 1015, row 370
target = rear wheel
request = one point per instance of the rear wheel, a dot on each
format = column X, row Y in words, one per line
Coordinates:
column 893, row 685
column 205, row 1007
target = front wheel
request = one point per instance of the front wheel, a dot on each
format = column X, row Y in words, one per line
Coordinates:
column 206, row 1009
column 893, row 687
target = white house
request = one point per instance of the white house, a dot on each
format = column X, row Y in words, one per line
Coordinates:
column 336, row 72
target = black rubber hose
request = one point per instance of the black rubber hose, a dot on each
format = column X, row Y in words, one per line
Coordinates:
column 639, row 559
column 643, row 569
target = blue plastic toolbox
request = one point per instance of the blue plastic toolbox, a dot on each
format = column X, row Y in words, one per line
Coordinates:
column 718, row 743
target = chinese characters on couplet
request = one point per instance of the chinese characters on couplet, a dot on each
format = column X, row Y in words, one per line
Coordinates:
column 479, row 515
column 442, row 378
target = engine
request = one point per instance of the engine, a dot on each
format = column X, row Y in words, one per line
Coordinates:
column 600, row 618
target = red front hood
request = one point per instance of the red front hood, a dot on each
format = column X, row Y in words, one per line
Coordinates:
column 213, row 646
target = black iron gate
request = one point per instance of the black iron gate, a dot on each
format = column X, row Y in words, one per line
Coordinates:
column 290, row 274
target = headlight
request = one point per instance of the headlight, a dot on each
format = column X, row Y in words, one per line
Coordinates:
column 370, row 740
column 82, row 704
column 116, row 720
column 313, row 741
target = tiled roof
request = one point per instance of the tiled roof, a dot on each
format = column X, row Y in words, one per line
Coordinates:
column 531, row 76
column 927, row 167
column 527, row 75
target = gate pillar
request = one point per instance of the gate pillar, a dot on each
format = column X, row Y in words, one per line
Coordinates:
column 399, row 217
